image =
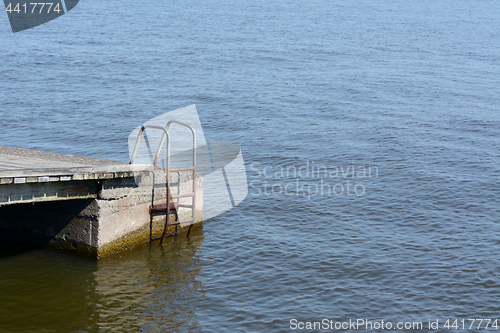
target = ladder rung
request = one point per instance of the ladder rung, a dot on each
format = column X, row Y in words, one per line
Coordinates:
column 182, row 169
column 163, row 207
column 179, row 222
column 187, row 195
column 185, row 206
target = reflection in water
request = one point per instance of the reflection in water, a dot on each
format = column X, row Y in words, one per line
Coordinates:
column 152, row 289
column 147, row 289
column 46, row 291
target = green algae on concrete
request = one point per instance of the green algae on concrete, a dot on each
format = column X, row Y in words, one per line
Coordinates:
column 142, row 235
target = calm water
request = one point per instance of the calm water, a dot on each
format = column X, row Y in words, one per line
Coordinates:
column 408, row 88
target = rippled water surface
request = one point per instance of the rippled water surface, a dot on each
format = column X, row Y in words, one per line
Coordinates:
column 408, row 91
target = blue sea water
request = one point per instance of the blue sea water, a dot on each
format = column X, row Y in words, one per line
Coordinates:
column 408, row 88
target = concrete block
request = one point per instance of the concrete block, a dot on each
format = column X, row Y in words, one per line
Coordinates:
column 108, row 175
column 32, row 179
column 21, row 180
column 6, row 181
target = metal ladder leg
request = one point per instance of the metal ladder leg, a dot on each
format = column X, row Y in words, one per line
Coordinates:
column 167, row 215
column 193, row 169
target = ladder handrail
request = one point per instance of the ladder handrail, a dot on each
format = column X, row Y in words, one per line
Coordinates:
column 168, row 145
column 165, row 134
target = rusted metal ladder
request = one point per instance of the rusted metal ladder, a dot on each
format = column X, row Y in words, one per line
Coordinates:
column 170, row 205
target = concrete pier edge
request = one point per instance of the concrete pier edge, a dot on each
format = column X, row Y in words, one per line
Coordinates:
column 86, row 206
